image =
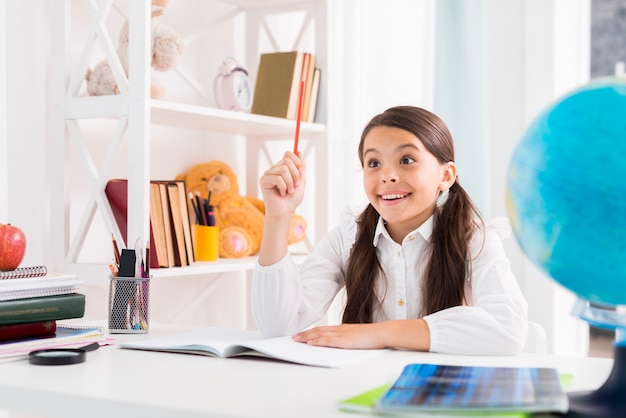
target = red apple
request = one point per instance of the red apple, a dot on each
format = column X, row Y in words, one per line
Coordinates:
column 12, row 246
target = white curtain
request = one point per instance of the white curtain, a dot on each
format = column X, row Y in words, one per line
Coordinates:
column 381, row 54
column 460, row 89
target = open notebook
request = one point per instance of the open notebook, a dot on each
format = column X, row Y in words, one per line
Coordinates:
column 229, row 342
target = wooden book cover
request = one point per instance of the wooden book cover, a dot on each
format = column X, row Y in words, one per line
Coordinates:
column 315, row 92
column 186, row 220
column 158, row 225
column 165, row 209
column 308, row 84
column 177, row 223
column 277, row 84
column 117, row 194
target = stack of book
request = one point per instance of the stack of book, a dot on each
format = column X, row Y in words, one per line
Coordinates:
column 277, row 87
column 32, row 301
column 450, row 390
column 171, row 242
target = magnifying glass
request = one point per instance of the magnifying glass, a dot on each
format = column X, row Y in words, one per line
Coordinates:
column 61, row 356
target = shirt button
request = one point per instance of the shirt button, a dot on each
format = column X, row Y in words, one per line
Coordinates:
column 399, row 254
column 400, row 302
column 411, row 238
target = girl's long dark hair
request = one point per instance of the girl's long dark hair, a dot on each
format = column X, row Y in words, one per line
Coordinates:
column 454, row 222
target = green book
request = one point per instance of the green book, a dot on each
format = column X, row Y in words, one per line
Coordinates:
column 363, row 402
column 45, row 308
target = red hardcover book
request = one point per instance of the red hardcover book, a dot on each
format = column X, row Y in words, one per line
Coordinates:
column 31, row 329
column 117, row 194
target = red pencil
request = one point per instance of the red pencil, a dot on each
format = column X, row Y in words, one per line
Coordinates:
column 298, row 118
column 116, row 251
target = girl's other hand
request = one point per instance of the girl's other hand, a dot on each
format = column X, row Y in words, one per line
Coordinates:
column 342, row 336
column 411, row 334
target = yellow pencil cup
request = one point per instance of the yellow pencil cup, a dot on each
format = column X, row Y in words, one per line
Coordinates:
column 206, row 242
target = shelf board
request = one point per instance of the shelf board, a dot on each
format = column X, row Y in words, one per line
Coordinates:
column 223, row 265
column 188, row 116
column 218, row 120
column 261, row 4
column 96, row 273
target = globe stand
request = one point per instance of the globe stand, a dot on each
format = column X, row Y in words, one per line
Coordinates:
column 608, row 401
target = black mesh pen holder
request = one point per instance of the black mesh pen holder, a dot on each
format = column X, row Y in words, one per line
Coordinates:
column 129, row 308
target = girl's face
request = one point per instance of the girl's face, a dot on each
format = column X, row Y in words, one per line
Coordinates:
column 402, row 179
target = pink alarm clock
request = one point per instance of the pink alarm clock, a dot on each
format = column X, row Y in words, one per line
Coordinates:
column 232, row 87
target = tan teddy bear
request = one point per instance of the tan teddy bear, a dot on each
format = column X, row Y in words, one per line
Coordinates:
column 167, row 47
column 240, row 218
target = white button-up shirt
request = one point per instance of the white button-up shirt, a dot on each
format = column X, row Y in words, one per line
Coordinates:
column 493, row 321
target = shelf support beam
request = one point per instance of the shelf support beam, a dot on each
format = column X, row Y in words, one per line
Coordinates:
column 139, row 123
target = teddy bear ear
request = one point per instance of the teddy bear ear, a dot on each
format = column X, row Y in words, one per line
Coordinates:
column 182, row 176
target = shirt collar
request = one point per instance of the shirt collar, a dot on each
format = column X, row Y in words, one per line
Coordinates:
column 425, row 230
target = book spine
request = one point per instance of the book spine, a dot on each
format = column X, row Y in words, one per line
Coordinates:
column 30, row 329
column 23, row 272
column 116, row 192
column 48, row 308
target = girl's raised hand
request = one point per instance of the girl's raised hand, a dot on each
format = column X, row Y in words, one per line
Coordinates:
column 283, row 185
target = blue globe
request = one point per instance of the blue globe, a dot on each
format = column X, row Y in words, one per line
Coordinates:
column 566, row 191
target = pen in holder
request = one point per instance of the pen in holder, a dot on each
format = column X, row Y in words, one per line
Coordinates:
column 206, row 242
column 129, row 308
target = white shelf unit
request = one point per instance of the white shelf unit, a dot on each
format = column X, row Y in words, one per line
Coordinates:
column 137, row 114
column 4, row 137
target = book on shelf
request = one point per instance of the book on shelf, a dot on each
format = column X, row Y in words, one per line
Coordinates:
column 314, row 96
column 170, row 228
column 29, row 329
column 48, row 285
column 22, row 272
column 158, row 226
column 117, row 194
column 186, row 220
column 278, row 84
column 307, row 76
column 44, row 308
column 180, row 223
column 167, row 225
column 180, row 254
column 229, row 342
column 423, row 389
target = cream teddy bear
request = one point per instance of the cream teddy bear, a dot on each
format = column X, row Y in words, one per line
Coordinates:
column 167, row 47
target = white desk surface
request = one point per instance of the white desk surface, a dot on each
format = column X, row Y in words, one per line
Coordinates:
column 116, row 382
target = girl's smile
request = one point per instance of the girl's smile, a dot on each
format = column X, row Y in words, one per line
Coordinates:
column 393, row 198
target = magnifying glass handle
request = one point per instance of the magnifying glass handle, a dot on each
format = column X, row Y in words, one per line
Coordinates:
column 90, row 347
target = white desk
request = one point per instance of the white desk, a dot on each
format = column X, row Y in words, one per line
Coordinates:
column 116, row 382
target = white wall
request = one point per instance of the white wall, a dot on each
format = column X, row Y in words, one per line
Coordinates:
column 532, row 61
column 4, row 140
column 381, row 55
column 25, row 189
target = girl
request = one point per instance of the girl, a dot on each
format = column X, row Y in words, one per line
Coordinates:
column 420, row 268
